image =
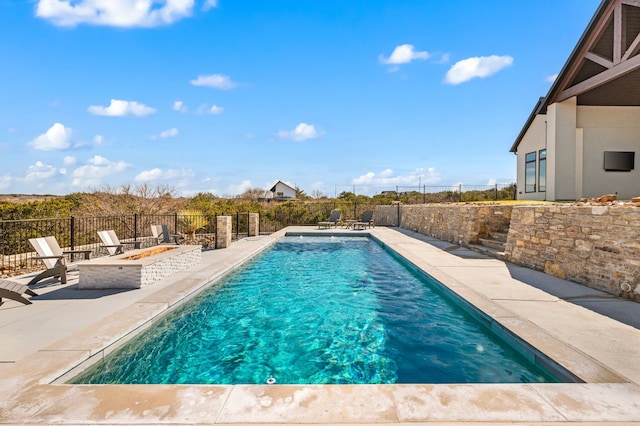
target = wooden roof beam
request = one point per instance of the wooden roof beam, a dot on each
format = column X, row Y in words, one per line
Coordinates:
column 618, row 37
column 633, row 48
column 594, row 57
column 600, row 79
column 592, row 37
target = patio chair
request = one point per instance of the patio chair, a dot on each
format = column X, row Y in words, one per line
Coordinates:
column 162, row 234
column 15, row 291
column 334, row 219
column 366, row 221
column 112, row 243
column 52, row 256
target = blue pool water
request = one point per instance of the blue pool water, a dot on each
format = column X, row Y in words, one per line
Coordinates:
column 316, row 311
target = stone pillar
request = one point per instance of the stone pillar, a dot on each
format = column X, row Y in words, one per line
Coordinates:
column 254, row 224
column 223, row 232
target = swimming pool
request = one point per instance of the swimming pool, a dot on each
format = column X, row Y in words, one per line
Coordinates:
column 319, row 310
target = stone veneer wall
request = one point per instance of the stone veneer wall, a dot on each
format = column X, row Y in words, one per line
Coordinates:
column 598, row 246
column 100, row 274
column 223, row 232
column 456, row 223
column 254, row 224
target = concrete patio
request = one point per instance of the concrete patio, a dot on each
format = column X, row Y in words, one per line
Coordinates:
column 45, row 343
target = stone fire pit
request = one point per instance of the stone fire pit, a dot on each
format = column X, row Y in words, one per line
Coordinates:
column 137, row 268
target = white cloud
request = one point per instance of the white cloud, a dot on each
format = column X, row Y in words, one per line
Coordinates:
column 169, row 133
column 303, row 131
column 148, row 175
column 209, row 4
column 56, row 138
column 206, row 109
column 215, row 109
column 239, row 188
column 98, row 167
column 69, row 160
column 117, row 13
column 387, row 177
column 179, row 106
column 5, row 181
column 39, row 171
column 403, row 54
column 98, row 139
column 551, row 78
column 476, row 67
column 177, row 177
column 444, row 58
column 217, row 81
column 120, row 108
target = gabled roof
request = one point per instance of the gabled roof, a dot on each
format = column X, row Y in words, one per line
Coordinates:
column 604, row 66
column 273, row 189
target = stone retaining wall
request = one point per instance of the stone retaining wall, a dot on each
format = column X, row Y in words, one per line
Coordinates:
column 456, row 223
column 598, row 246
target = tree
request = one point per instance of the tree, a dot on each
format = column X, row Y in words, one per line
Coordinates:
column 317, row 194
column 127, row 200
column 300, row 194
column 253, row 194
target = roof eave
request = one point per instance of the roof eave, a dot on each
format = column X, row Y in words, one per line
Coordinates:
column 544, row 102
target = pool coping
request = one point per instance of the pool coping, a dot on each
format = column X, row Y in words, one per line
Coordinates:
column 596, row 354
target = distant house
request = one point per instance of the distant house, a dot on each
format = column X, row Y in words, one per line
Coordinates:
column 582, row 139
column 282, row 192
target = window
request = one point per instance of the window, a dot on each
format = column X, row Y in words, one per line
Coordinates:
column 530, row 172
column 542, row 170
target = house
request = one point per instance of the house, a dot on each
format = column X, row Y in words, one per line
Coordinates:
column 282, row 192
column 582, row 139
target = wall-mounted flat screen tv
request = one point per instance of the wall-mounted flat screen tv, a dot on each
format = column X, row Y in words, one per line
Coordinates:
column 619, row 161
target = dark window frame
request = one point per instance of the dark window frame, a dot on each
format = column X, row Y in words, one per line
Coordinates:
column 542, row 171
column 529, row 175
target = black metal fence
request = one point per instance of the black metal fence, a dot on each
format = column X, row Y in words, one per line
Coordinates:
column 455, row 193
column 74, row 233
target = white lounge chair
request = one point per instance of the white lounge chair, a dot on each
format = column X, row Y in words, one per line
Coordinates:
column 162, row 234
column 14, row 291
column 52, row 256
column 112, row 243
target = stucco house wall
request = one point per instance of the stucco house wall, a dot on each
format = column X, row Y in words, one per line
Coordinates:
column 533, row 141
column 609, row 129
column 576, row 138
column 282, row 191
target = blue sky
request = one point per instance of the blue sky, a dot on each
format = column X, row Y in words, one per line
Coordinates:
column 224, row 95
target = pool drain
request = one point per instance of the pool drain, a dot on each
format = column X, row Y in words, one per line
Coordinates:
column 271, row 380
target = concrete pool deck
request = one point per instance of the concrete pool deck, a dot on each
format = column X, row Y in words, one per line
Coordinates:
column 65, row 326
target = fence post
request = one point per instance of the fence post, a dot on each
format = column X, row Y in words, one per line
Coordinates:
column 135, row 226
column 460, row 192
column 496, row 197
column 72, row 229
column 237, row 224
column 175, row 222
